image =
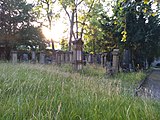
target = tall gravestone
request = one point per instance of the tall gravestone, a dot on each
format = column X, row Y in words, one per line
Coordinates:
column 14, row 56
column 126, row 62
column 33, row 56
column 115, row 62
column 102, row 59
column 87, row 57
column 42, row 57
column 54, row 55
column 70, row 56
column 62, row 57
column 105, row 59
column 90, row 58
column 58, row 57
column 66, row 56
column 77, row 54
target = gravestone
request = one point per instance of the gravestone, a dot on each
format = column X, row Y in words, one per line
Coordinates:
column 98, row 58
column 90, row 58
column 115, row 63
column 105, row 59
column 67, row 57
column 126, row 60
column 33, row 57
column 54, row 53
column 87, row 57
column 70, row 56
column 77, row 54
column 102, row 59
column 42, row 57
column 25, row 57
column 14, row 56
column 62, row 57
column 109, row 70
column 84, row 58
column 58, row 57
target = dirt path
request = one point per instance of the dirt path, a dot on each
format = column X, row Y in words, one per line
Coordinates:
column 150, row 87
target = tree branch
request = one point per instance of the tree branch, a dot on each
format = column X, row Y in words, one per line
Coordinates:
column 65, row 9
column 83, row 23
column 80, row 2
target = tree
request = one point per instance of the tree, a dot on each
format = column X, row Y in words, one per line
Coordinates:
column 101, row 32
column 15, row 15
column 78, row 12
column 139, row 28
column 45, row 9
column 64, row 44
column 33, row 38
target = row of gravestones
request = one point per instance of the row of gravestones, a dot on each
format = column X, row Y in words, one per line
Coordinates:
column 108, row 60
column 62, row 57
column 111, row 62
column 57, row 57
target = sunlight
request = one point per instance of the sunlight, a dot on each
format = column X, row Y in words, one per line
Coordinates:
column 57, row 32
column 54, row 35
column 47, row 33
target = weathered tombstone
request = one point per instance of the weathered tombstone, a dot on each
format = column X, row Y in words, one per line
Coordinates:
column 25, row 57
column 105, row 59
column 70, row 56
column 58, row 57
column 115, row 64
column 77, row 54
column 14, row 56
column 126, row 60
column 99, row 58
column 109, row 70
column 42, row 57
column 102, row 59
column 54, row 53
column 33, row 57
column 84, row 58
column 62, row 57
column 90, row 58
column 87, row 57
column 66, row 56
column 94, row 58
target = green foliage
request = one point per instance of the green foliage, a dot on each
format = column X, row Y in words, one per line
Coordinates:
column 16, row 28
column 94, row 33
column 33, row 38
column 140, row 23
column 48, row 92
column 64, row 44
column 15, row 15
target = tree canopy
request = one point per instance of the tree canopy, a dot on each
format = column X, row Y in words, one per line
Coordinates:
column 138, row 23
column 16, row 27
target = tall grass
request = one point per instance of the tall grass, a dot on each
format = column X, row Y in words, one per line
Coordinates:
column 42, row 92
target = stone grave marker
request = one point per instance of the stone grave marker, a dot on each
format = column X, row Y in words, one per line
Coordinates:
column 42, row 57
column 115, row 63
column 77, row 54
column 14, row 56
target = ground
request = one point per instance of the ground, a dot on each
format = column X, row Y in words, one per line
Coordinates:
column 151, row 85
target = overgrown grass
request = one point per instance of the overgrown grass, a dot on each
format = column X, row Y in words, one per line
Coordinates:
column 37, row 92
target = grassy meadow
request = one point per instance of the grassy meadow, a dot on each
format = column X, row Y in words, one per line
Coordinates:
column 48, row 92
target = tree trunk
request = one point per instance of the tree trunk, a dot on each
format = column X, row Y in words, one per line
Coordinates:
column 71, row 30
